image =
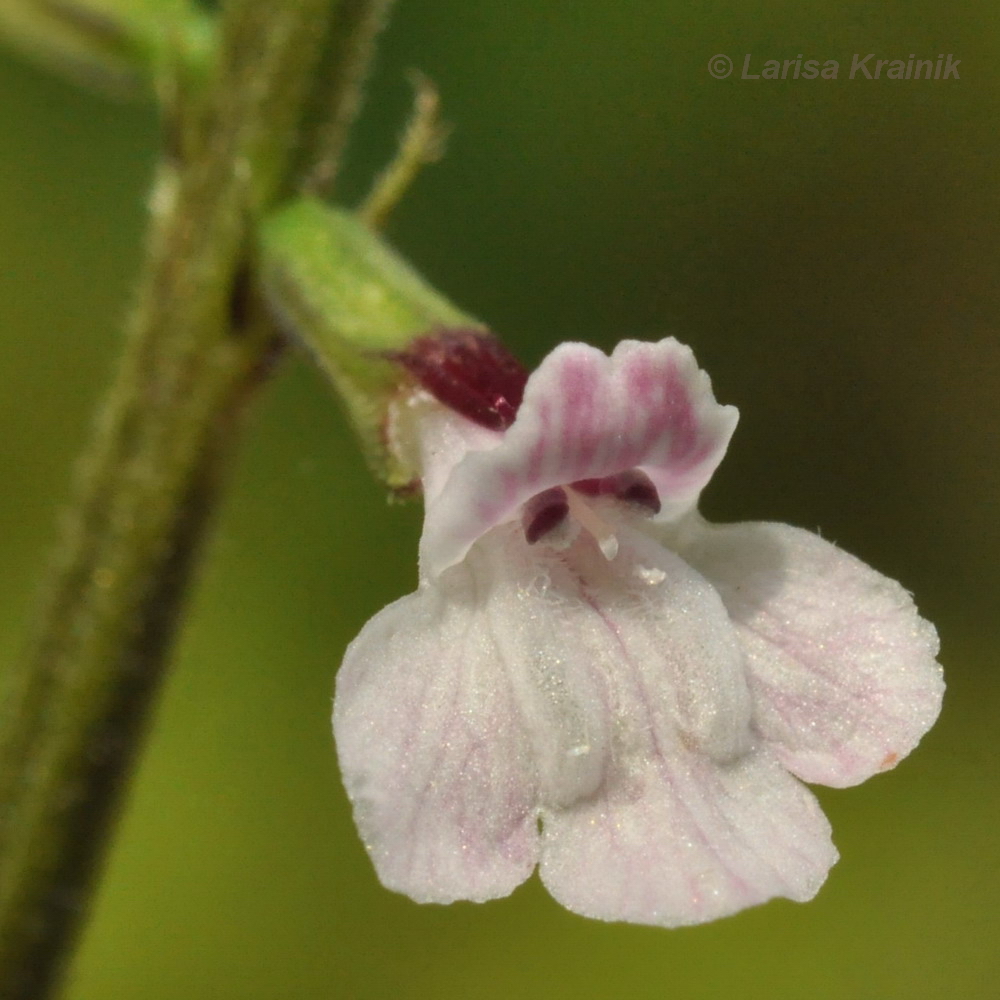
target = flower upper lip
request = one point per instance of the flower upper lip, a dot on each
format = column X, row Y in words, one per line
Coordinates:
column 587, row 416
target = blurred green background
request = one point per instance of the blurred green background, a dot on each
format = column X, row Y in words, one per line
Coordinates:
column 829, row 249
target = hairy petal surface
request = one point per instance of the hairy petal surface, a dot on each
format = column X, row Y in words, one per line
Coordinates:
column 660, row 632
column 693, row 821
column 841, row 665
column 524, row 680
column 685, row 839
column 586, row 415
column 433, row 749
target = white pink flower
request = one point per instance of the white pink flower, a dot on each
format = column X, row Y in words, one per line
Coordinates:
column 593, row 680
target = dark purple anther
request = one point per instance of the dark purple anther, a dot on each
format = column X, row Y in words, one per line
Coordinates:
column 633, row 487
column 636, row 487
column 470, row 372
column 543, row 513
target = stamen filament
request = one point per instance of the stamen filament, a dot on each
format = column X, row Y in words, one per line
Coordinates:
column 603, row 533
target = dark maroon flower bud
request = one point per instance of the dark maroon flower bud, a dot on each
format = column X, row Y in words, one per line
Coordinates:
column 470, row 372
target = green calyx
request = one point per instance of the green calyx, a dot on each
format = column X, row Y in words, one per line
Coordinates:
column 343, row 292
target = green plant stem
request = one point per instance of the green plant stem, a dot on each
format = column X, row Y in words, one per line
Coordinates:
column 198, row 342
column 336, row 97
column 422, row 142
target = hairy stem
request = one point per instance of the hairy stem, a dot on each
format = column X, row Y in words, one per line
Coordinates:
column 77, row 706
column 336, row 97
column 422, row 142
